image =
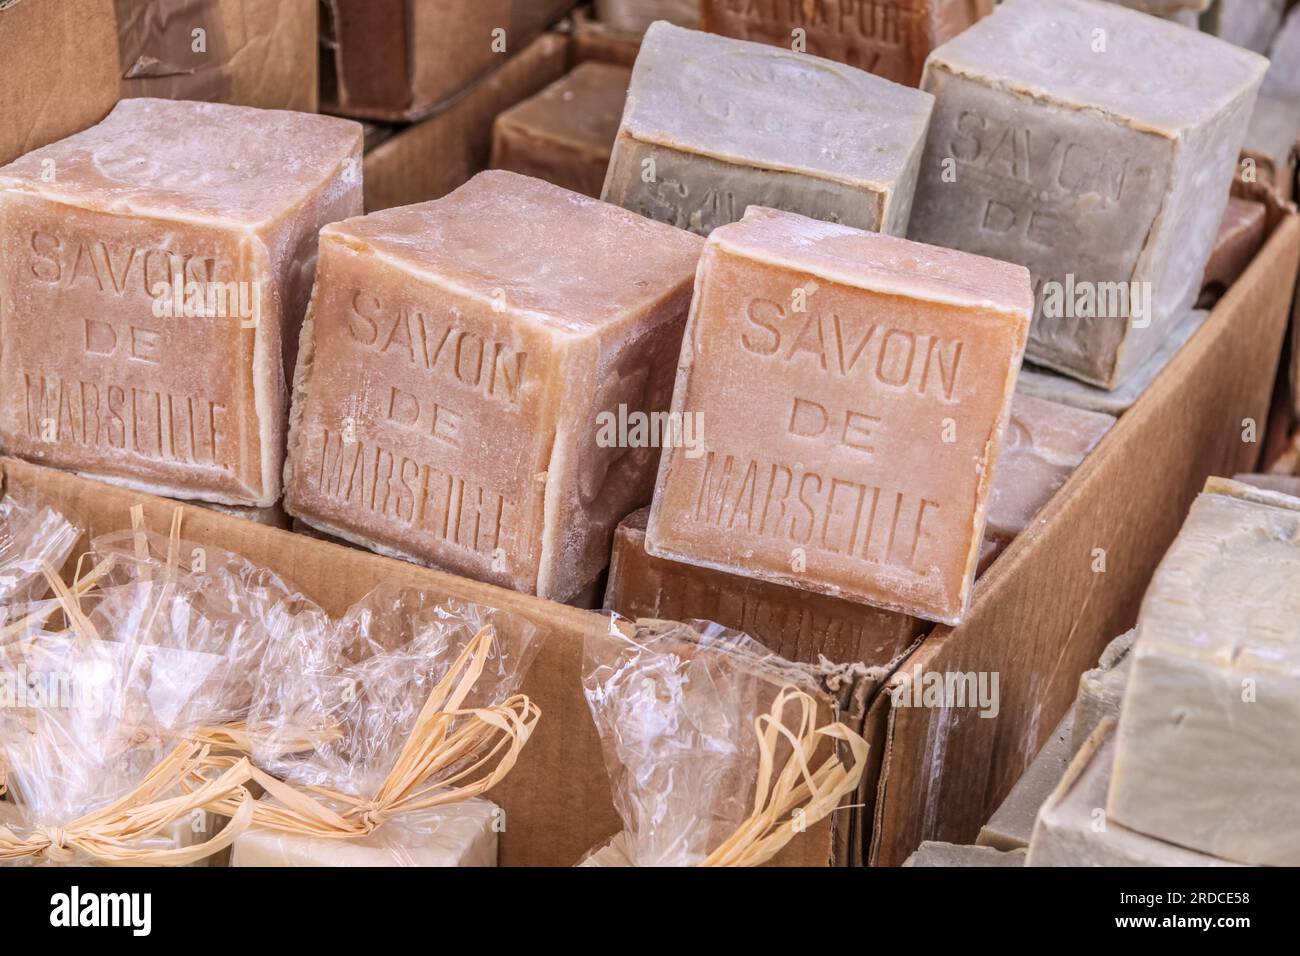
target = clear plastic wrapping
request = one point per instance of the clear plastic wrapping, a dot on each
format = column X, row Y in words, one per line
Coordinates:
column 714, row 746
column 31, row 537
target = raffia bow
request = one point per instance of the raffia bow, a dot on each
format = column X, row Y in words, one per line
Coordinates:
column 111, row 836
column 445, row 735
column 788, row 801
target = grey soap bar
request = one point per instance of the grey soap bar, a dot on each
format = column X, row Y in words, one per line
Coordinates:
column 1282, row 484
column 1013, row 822
column 1208, row 745
column 1251, row 24
column 932, row 853
column 1042, row 383
column 1096, row 146
column 1101, row 689
column 1283, row 77
column 1271, row 140
column 714, row 125
column 1073, row 828
column 635, row 16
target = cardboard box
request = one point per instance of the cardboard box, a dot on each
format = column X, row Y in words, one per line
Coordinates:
column 64, row 63
column 403, row 60
column 433, row 157
column 557, row 798
column 1042, row 614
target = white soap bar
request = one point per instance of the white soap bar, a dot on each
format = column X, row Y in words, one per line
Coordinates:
column 461, row 834
column 1208, row 748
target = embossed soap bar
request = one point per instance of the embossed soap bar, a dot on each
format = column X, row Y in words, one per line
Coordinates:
column 1095, row 145
column 799, row 625
column 456, row 361
column 154, row 271
column 1043, row 443
column 890, row 38
column 565, row 133
column 1208, row 746
column 854, row 388
column 635, row 16
column 459, row 834
column 713, row 125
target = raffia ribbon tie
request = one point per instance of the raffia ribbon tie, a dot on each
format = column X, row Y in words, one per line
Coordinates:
column 788, row 801
column 112, row 836
column 487, row 741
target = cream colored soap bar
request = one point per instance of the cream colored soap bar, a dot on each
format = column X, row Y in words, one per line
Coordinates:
column 1208, row 747
column 852, row 389
column 1101, row 689
column 1073, row 828
column 1283, row 77
column 1042, row 383
column 1042, row 445
column 714, row 125
column 460, row 834
column 1012, row 824
column 154, row 271
column 565, row 133
column 1282, row 484
column 1104, row 170
column 799, row 625
column 950, row 854
column 456, row 366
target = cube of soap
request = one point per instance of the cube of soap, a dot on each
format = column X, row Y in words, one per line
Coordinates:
column 1208, row 746
column 1073, row 828
column 1102, row 166
column 565, row 133
column 1241, row 233
column 714, row 125
column 1272, row 141
column 931, row 853
column 1186, row 12
column 459, row 834
column 1043, row 443
column 1101, row 689
column 465, row 369
column 635, row 16
column 1042, row 383
column 402, row 59
column 1246, row 23
column 1282, row 484
column 799, row 625
column 1283, row 77
column 891, row 38
column 613, row 853
column 154, row 271
column 853, row 389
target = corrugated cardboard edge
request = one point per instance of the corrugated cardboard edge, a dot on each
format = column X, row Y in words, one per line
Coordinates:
column 1041, row 616
column 557, row 799
column 433, row 157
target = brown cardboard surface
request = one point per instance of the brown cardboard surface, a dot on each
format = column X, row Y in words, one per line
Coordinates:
column 557, row 798
column 1041, row 615
column 433, row 157
column 64, row 63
